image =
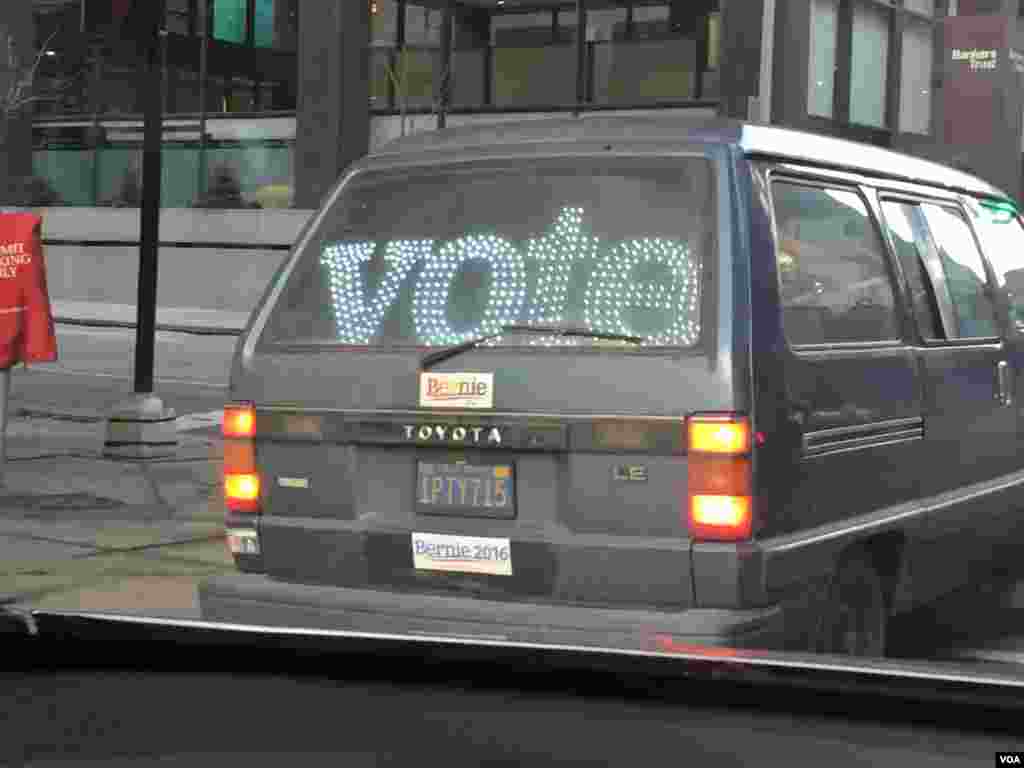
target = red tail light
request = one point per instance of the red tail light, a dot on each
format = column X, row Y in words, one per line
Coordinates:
column 719, row 479
column 241, row 480
column 239, row 420
column 242, row 492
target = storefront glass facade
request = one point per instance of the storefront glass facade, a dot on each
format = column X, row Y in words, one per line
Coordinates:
column 230, row 79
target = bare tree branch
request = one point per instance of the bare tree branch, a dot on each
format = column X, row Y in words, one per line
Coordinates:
column 23, row 81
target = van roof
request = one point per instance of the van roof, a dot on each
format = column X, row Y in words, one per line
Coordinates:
column 753, row 139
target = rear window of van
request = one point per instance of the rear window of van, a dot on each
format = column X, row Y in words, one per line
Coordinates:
column 434, row 256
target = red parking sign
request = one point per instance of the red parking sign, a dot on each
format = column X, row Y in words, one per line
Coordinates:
column 26, row 320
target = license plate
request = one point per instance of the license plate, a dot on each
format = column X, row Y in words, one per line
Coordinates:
column 482, row 490
column 461, row 554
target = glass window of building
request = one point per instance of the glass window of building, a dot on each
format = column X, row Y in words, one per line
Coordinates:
column 916, row 77
column 869, row 64
column 179, row 17
column 230, row 18
column 714, row 40
column 650, row 21
column 658, row 57
column 383, row 38
column 565, row 24
column 529, row 67
column 606, row 25
column 263, row 26
column 822, row 66
column 416, row 69
column 286, row 14
column 471, row 39
column 606, row 30
column 383, row 22
column 423, row 25
column 926, row 7
column 177, row 24
column 521, row 29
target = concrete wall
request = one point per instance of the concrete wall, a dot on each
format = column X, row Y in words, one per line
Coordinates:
column 213, row 265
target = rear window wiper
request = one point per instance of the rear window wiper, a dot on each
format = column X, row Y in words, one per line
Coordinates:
column 433, row 358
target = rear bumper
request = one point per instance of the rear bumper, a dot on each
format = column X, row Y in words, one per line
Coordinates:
column 253, row 599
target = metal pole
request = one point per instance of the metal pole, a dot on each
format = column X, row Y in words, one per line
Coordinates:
column 5, row 399
column 447, row 20
column 764, row 95
column 97, row 108
column 203, row 53
column 581, row 55
column 152, row 167
column 164, row 85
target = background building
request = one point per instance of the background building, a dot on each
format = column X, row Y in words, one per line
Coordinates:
column 264, row 91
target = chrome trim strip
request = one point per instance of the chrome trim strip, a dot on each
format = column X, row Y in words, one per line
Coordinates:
column 882, row 668
column 825, row 442
column 874, row 427
column 864, row 524
column 830, row 450
column 848, row 346
column 544, row 149
column 482, row 414
column 802, row 149
column 258, row 323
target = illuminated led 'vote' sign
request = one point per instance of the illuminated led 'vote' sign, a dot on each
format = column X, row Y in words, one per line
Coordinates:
column 656, row 275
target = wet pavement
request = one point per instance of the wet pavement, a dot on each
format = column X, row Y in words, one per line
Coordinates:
column 79, row 531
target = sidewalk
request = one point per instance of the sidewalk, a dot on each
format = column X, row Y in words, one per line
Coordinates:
column 82, row 532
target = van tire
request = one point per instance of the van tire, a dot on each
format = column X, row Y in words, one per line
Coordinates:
column 855, row 616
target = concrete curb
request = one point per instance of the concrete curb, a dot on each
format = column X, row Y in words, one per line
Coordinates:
column 180, row 316
column 198, row 330
column 77, row 415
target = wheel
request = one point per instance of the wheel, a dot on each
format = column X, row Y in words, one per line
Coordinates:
column 855, row 615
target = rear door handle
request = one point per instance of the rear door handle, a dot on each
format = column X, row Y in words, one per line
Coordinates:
column 1004, row 379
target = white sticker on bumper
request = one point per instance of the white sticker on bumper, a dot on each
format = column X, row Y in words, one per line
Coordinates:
column 462, row 554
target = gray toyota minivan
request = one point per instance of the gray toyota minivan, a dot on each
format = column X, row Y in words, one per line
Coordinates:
column 629, row 382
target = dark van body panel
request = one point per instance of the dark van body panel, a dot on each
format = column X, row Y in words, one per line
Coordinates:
column 902, row 444
column 899, row 448
column 905, row 445
column 648, row 384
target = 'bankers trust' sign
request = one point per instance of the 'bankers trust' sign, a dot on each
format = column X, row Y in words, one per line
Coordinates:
column 977, row 58
column 977, row 86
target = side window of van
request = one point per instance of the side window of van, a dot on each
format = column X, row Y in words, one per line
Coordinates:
column 910, row 241
column 964, row 271
column 836, row 286
column 1002, row 236
column 946, row 258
